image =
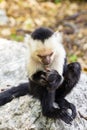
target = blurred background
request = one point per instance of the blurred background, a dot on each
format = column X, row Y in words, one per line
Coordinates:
column 18, row 17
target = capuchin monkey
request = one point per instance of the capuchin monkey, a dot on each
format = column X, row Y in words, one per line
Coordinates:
column 50, row 77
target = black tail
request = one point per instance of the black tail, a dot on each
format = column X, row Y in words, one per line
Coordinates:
column 13, row 92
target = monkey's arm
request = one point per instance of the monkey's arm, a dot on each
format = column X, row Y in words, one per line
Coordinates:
column 71, row 78
column 14, row 92
column 54, row 79
column 22, row 89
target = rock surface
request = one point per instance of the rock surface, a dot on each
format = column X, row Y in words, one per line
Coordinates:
column 24, row 113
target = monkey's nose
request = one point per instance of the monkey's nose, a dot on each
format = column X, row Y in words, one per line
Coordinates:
column 46, row 60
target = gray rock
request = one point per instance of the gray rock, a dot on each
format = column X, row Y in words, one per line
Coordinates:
column 25, row 113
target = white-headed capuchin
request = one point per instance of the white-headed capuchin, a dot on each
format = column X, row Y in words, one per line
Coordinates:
column 50, row 77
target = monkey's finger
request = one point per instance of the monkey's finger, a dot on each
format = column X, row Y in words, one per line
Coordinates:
column 66, row 117
column 73, row 109
column 48, row 69
column 43, row 77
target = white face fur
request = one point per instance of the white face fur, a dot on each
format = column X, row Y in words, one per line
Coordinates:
column 51, row 45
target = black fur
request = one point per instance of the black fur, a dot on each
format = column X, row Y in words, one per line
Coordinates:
column 14, row 92
column 46, row 94
column 42, row 34
column 50, row 79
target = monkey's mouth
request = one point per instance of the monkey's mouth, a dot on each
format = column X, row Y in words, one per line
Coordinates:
column 46, row 67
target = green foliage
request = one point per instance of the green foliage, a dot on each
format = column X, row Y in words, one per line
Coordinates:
column 72, row 58
column 16, row 37
column 1, row 1
column 57, row 1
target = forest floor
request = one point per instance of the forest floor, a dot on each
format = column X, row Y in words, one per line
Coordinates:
column 18, row 17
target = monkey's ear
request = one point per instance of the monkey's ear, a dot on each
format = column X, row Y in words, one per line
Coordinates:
column 27, row 39
column 59, row 36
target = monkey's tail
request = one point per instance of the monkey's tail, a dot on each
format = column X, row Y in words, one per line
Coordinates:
column 14, row 92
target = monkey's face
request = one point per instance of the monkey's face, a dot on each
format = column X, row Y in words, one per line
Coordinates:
column 42, row 53
column 44, row 56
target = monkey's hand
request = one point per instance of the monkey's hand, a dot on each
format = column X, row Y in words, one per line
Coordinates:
column 54, row 79
column 40, row 78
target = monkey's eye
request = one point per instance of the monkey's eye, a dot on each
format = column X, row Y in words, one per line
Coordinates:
column 43, row 56
column 39, row 56
column 51, row 54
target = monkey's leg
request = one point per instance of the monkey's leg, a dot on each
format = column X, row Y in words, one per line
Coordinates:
column 14, row 92
column 50, row 111
column 71, row 78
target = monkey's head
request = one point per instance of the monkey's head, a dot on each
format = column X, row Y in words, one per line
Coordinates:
column 44, row 45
